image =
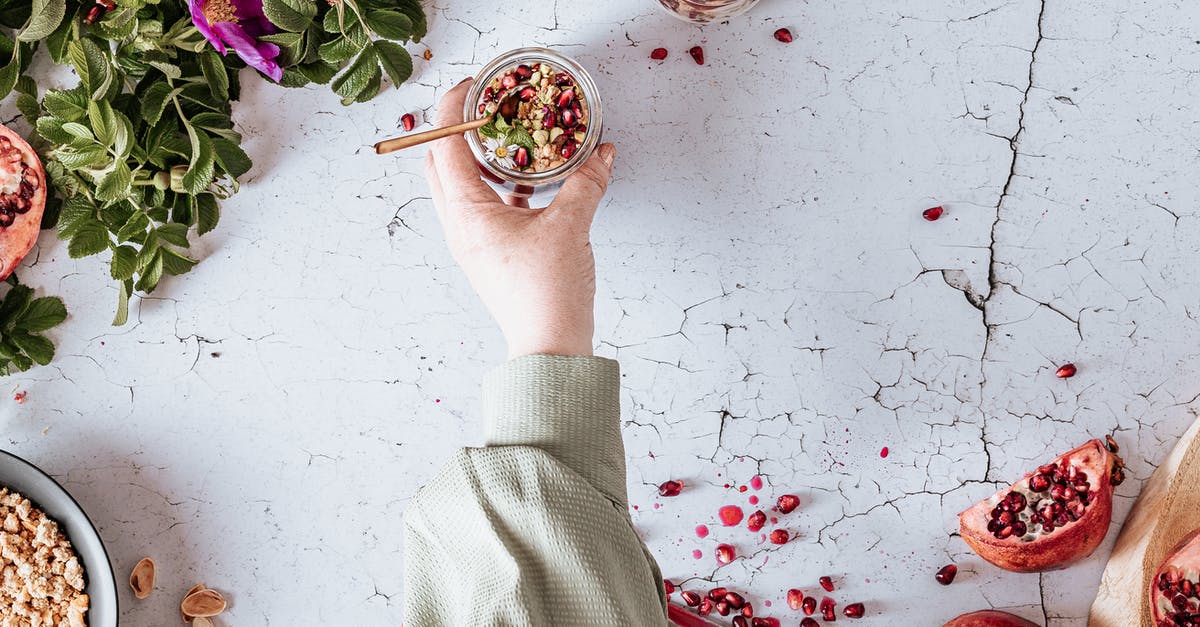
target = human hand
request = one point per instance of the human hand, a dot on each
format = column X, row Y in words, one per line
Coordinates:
column 532, row 268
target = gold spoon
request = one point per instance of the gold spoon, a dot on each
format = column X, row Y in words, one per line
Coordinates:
column 506, row 110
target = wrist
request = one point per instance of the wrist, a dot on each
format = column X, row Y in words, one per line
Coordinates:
column 569, row 341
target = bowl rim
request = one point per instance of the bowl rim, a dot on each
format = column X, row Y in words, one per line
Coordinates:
column 90, row 527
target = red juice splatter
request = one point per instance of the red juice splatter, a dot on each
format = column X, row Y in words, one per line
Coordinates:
column 741, row 488
column 697, row 554
column 635, row 508
column 756, row 482
column 753, row 500
column 884, row 452
column 437, row 400
column 701, row 531
column 767, row 603
column 657, row 505
column 730, row 515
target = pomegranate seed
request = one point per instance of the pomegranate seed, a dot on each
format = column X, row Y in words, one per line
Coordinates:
column 884, row 452
column 670, row 488
column 826, row 582
column 945, row 576
column 1065, row 371
column 735, row 600
column 562, row 79
column 658, row 54
column 725, row 553
column 810, row 606
column 933, row 213
column 723, row 608
column 565, row 98
column 808, row 622
column 854, row 610
column 764, row 621
column 408, row 121
column 717, row 594
column 568, row 148
column 795, row 599
column 784, row 35
column 521, row 159
column 748, row 610
column 787, row 503
column 509, row 81
column 697, row 54
column 668, row 586
column 829, row 615
column 568, row 119
column 779, row 536
column 526, row 94
column 828, row 604
column 740, row 621
column 523, row 72
column 730, row 515
column 706, row 607
column 756, row 521
column 690, row 597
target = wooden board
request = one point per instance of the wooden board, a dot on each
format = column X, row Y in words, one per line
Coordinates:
column 1165, row 512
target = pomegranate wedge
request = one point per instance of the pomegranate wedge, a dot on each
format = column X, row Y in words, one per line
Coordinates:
column 1052, row 517
column 1176, row 585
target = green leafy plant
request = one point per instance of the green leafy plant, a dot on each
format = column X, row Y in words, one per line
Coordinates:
column 22, row 320
column 142, row 152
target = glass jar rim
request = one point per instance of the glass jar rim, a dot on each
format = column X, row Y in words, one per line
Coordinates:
column 584, row 80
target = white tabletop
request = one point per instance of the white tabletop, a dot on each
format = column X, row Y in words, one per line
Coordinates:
column 776, row 300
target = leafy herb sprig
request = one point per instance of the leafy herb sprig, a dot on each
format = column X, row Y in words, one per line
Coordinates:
column 142, row 152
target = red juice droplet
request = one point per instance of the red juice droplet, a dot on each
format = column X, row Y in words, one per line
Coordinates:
column 730, row 515
column 753, row 500
column 756, row 482
column 701, row 531
column 741, row 488
column 884, row 452
column 697, row 554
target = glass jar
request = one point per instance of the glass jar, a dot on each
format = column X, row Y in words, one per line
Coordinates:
column 702, row 11
column 515, row 182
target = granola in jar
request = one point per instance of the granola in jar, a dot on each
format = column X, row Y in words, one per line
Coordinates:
column 550, row 124
column 41, row 578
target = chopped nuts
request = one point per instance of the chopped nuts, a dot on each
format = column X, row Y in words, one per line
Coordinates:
column 203, row 603
column 41, row 579
column 142, row 578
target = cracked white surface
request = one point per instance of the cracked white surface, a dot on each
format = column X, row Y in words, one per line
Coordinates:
column 775, row 299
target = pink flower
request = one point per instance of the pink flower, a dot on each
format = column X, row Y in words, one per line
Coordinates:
column 238, row 24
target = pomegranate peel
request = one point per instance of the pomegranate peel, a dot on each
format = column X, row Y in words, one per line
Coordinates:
column 989, row 618
column 22, row 199
column 1050, row 518
column 1175, row 587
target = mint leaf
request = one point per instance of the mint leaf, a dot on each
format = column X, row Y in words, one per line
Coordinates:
column 521, row 137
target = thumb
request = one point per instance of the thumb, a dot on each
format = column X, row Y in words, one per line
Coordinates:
column 582, row 191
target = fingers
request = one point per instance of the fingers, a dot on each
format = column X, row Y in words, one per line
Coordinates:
column 456, row 167
column 583, row 190
column 435, row 188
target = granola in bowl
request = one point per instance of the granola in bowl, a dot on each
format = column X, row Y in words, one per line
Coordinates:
column 551, row 121
column 41, row 578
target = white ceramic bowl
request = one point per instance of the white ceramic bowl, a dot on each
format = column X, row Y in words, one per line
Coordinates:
column 47, row 495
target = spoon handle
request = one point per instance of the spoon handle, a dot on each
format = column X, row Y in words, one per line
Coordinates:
column 408, row 141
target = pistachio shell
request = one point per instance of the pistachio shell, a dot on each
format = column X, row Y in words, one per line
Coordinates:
column 142, row 578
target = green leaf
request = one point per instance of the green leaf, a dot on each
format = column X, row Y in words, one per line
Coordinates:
column 15, row 302
column 318, row 72
column 370, row 90
column 395, row 60
column 57, row 41
column 293, row 15
column 38, row 348
column 170, row 70
column 521, row 137
column 389, row 24
column 133, row 227
column 215, row 74
column 70, row 104
column 92, row 66
column 154, row 101
column 82, row 158
column 78, row 130
column 412, row 8
column 124, row 262
column 358, row 75
column 489, row 130
column 100, row 114
column 43, row 313
column 173, row 233
column 176, row 263
column 116, row 184
column 10, row 72
column 122, row 315
column 231, row 157
column 338, row 50
column 90, row 239
column 202, row 166
column 209, row 213
column 76, row 212
column 52, row 129
column 152, row 274
column 44, row 18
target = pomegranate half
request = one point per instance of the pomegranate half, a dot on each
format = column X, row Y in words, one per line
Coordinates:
column 989, row 618
column 1054, row 516
column 1175, row 589
column 22, row 199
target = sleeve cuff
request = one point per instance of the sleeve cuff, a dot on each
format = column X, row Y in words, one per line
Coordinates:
column 569, row 407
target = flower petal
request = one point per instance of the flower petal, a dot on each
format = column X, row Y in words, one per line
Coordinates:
column 196, row 7
column 257, row 54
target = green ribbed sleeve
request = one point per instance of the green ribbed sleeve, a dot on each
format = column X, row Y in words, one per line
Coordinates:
column 534, row 528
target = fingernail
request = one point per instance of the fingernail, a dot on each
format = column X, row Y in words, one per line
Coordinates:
column 608, row 152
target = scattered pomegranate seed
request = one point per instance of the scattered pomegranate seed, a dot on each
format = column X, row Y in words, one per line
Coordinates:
column 706, row 607
column 795, row 599
column 19, row 397
column 826, row 582
column 697, row 54
column 784, row 35
column 723, row 608
column 668, row 586
column 855, row 610
column 756, row 482
column 756, row 521
column 828, row 604
column 730, row 515
column 670, row 488
column 764, row 621
column 725, row 553
column 808, row 622
column 779, row 536
column 1065, row 371
column 741, row 488
column 932, row 213
column 735, row 600
column 884, row 452
column 740, row 621
column 748, row 610
column 408, row 121
column 810, row 606
column 658, row 54
column 690, row 597
column 787, row 503
column 717, row 594
column 829, row 615
column 945, row 576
